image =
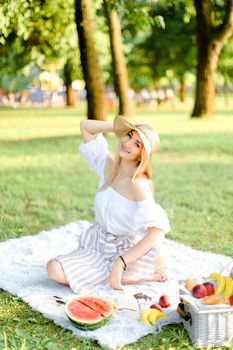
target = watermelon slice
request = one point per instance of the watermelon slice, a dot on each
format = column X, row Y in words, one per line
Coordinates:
column 89, row 312
column 102, row 305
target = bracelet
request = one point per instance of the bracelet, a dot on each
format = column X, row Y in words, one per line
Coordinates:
column 124, row 268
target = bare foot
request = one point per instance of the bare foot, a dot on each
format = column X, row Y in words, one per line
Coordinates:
column 160, row 276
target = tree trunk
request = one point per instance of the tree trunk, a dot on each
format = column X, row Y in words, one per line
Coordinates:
column 205, row 86
column 68, row 83
column 119, row 67
column 70, row 100
column 210, row 40
column 89, row 60
column 182, row 89
column 225, row 91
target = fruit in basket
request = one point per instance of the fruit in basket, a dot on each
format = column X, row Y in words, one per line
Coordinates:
column 88, row 312
column 228, row 287
column 199, row 291
column 189, row 284
column 222, row 301
column 220, row 280
column 210, row 300
column 164, row 301
column 209, row 287
column 231, row 300
column 157, row 307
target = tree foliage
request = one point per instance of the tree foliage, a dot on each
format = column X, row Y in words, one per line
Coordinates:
column 159, row 38
column 166, row 48
column 37, row 31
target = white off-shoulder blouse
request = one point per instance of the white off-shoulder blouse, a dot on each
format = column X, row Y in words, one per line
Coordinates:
column 113, row 211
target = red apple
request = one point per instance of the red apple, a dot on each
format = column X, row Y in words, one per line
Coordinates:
column 199, row 291
column 157, row 307
column 231, row 300
column 164, row 301
column 209, row 288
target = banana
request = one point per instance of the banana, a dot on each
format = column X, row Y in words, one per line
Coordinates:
column 228, row 287
column 144, row 317
column 150, row 316
column 154, row 315
column 220, row 282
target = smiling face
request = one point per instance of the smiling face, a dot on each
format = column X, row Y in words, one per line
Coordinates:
column 131, row 146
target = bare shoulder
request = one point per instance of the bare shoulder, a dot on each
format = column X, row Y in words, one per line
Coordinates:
column 142, row 189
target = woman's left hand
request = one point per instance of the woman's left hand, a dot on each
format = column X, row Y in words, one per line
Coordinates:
column 116, row 274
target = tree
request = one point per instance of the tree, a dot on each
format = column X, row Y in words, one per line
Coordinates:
column 68, row 83
column 89, row 60
column 166, row 48
column 15, row 53
column 37, row 32
column 173, row 41
column 60, row 41
column 225, row 68
column 214, row 26
column 118, row 60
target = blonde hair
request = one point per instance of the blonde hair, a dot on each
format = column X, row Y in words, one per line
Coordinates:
column 143, row 167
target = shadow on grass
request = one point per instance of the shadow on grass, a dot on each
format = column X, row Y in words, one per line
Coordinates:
column 225, row 113
column 181, row 143
column 52, row 112
column 35, row 140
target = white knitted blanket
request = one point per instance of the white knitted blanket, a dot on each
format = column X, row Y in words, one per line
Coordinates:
column 22, row 271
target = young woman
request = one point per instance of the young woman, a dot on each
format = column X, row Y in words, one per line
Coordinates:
column 124, row 244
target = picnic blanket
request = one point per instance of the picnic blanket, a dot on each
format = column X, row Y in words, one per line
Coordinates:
column 23, row 273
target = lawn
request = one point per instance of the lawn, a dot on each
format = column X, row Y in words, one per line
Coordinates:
column 42, row 184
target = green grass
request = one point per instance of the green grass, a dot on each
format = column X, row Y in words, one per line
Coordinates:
column 42, row 182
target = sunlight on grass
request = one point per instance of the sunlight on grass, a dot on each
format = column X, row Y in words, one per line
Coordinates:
column 23, row 124
column 43, row 160
column 45, row 183
column 26, row 128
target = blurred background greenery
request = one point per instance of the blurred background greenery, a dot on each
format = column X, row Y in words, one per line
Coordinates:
column 56, row 53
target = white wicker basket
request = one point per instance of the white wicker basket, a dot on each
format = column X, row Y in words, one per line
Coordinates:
column 207, row 325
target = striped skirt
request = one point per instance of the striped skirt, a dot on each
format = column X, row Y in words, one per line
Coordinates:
column 90, row 264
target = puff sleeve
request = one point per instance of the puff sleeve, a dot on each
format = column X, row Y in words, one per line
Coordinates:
column 151, row 214
column 95, row 152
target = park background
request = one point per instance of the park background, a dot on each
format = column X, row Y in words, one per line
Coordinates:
column 166, row 63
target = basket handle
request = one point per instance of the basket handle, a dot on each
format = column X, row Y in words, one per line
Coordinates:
column 185, row 315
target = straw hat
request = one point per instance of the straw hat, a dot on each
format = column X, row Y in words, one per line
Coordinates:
column 148, row 135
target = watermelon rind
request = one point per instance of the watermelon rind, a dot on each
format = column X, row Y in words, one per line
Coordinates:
column 89, row 327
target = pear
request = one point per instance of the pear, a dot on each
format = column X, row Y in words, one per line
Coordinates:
column 189, row 284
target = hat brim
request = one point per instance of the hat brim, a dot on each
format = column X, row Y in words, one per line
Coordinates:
column 121, row 127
